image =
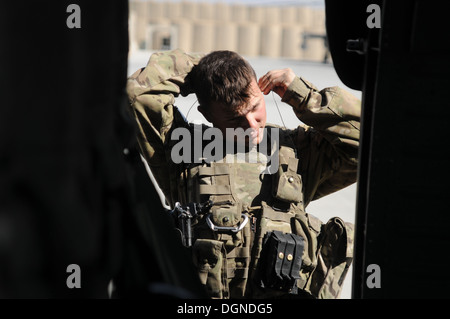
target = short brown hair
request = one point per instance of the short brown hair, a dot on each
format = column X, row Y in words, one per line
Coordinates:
column 224, row 77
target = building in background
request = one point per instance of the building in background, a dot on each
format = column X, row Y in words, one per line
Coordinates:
column 290, row 31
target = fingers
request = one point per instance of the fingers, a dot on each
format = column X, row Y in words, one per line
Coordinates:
column 277, row 81
column 269, row 81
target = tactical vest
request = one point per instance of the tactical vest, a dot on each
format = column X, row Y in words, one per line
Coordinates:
column 256, row 240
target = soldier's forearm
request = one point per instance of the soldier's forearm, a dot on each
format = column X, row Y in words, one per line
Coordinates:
column 152, row 91
column 333, row 109
column 165, row 73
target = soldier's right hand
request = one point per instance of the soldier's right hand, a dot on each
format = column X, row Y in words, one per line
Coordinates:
column 277, row 81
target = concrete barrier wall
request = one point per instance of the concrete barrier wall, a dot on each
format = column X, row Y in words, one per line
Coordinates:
column 248, row 39
column 304, row 16
column 289, row 15
column 271, row 31
column 185, row 32
column 222, row 12
column 239, row 13
column 291, row 42
column 157, row 30
column 257, row 14
column 189, row 10
column 206, row 11
column 226, row 37
column 271, row 38
column 203, row 36
column 272, row 16
column 172, row 10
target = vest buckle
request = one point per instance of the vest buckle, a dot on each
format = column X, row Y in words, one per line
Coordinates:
column 234, row 229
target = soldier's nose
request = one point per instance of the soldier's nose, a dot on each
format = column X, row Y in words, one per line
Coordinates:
column 251, row 120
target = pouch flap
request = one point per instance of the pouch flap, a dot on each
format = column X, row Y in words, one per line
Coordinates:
column 207, row 251
column 226, row 215
column 289, row 187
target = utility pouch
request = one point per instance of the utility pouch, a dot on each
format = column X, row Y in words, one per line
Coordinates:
column 281, row 259
column 334, row 259
column 287, row 184
column 210, row 259
column 226, row 215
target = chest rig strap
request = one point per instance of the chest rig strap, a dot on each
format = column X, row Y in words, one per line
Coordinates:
column 227, row 226
column 216, row 182
column 220, row 181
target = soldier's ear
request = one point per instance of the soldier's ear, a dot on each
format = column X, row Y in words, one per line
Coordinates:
column 205, row 113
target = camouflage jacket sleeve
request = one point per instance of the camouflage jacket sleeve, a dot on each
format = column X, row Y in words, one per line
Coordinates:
column 328, row 144
column 151, row 92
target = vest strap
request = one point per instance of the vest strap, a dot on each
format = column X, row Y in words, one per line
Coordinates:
column 215, row 189
column 214, row 170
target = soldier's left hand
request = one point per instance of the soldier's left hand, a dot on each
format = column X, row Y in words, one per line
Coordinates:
column 277, row 81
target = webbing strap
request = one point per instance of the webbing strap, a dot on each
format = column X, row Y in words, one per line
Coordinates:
column 215, row 189
column 276, row 216
column 203, row 276
column 214, row 170
column 287, row 157
column 292, row 164
column 237, row 273
column 239, row 252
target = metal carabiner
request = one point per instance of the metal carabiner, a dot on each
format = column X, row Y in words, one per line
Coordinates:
column 233, row 229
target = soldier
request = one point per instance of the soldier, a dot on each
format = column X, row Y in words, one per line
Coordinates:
column 247, row 227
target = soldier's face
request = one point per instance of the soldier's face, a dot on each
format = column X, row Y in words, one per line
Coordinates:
column 250, row 117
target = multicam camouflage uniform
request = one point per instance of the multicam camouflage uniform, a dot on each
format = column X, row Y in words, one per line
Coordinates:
column 315, row 160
